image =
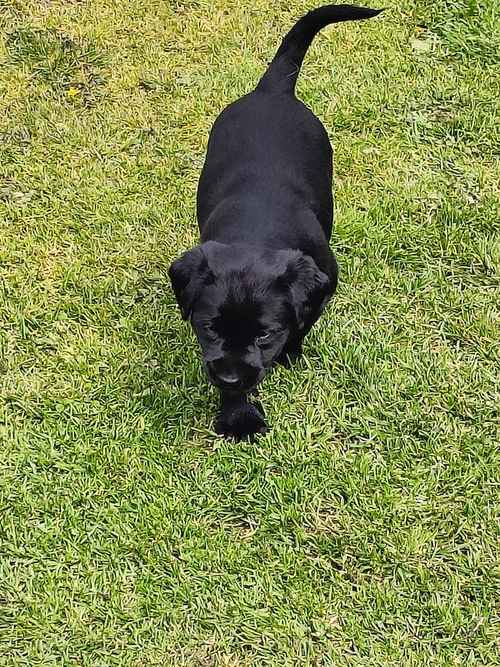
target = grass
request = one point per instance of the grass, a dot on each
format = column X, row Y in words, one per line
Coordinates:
column 363, row 529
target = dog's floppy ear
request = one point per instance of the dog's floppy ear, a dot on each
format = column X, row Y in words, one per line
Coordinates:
column 309, row 287
column 188, row 275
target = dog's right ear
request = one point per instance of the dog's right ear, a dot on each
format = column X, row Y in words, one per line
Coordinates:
column 188, row 275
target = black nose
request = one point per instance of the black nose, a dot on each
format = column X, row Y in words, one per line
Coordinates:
column 225, row 374
column 228, row 378
column 232, row 374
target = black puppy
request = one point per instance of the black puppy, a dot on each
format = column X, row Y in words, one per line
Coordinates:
column 264, row 270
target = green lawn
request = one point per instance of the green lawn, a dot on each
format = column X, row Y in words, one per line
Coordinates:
column 363, row 529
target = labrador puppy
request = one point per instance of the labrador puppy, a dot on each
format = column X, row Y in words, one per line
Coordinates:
column 263, row 271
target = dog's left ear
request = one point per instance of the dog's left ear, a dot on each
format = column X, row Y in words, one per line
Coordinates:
column 309, row 287
column 188, row 274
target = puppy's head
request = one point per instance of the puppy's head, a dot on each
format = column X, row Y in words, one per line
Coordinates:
column 244, row 304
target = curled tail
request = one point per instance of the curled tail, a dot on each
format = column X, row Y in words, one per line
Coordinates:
column 282, row 73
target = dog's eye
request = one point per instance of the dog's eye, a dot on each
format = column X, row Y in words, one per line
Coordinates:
column 263, row 339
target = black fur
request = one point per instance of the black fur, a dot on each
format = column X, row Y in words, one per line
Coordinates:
column 264, row 270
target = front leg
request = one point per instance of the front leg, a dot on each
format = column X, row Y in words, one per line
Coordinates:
column 291, row 352
column 293, row 347
column 238, row 418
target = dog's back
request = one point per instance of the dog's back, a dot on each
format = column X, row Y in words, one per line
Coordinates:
column 268, row 171
column 267, row 156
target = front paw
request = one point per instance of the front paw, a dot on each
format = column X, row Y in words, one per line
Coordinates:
column 243, row 421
